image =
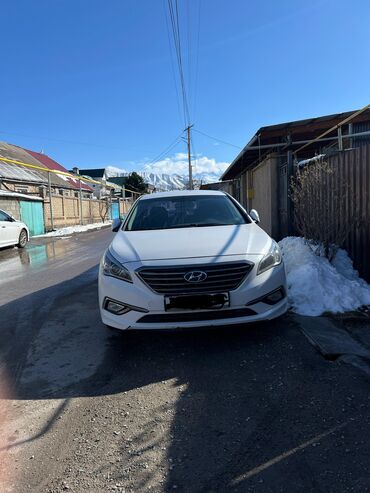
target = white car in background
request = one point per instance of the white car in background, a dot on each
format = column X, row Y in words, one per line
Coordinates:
column 190, row 259
column 12, row 232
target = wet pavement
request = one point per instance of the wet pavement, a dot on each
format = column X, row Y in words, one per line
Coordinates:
column 246, row 409
column 49, row 260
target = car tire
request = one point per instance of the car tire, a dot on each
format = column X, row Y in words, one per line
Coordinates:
column 22, row 240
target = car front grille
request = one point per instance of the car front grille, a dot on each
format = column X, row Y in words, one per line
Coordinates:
column 221, row 277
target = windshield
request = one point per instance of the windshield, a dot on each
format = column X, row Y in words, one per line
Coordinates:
column 185, row 212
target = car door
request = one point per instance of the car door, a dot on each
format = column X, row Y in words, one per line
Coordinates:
column 9, row 230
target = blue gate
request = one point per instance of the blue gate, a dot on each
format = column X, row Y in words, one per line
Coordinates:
column 32, row 214
column 115, row 210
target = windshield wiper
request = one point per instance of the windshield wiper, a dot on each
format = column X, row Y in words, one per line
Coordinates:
column 190, row 225
column 197, row 225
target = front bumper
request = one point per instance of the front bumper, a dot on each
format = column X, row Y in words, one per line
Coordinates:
column 137, row 294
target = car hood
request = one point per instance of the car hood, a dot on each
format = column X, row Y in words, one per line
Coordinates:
column 214, row 241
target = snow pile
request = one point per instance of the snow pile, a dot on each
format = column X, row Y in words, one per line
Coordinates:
column 75, row 229
column 316, row 286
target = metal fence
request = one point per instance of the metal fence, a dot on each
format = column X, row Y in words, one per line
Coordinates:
column 352, row 167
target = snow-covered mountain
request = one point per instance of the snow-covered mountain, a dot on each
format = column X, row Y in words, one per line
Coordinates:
column 164, row 181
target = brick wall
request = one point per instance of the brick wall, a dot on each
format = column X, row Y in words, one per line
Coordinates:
column 125, row 206
column 22, row 188
column 66, row 211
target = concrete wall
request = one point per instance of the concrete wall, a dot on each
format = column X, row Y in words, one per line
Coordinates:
column 11, row 206
column 223, row 186
column 259, row 190
column 264, row 193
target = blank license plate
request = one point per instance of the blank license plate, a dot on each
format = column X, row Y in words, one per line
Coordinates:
column 197, row 301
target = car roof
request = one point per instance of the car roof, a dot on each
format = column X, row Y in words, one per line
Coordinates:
column 180, row 193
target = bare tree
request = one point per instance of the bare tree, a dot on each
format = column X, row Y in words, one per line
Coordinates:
column 319, row 199
column 104, row 206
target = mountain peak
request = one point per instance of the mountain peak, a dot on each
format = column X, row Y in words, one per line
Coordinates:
column 164, row 181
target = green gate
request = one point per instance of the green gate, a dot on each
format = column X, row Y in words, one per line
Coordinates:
column 32, row 215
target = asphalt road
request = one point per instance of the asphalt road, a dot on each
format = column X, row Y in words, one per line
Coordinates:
column 83, row 409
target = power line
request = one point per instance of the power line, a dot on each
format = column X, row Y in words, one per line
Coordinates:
column 172, row 62
column 62, row 141
column 166, row 151
column 196, row 62
column 216, row 139
column 186, row 106
column 173, row 8
column 175, row 24
column 189, row 44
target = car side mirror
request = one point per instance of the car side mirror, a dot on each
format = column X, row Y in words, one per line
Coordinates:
column 116, row 224
column 254, row 215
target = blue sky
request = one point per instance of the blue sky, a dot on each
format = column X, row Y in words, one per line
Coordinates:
column 91, row 82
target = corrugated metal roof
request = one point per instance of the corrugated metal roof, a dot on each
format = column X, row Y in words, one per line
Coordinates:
column 14, row 172
column 53, row 165
column 284, row 133
column 93, row 173
column 19, row 173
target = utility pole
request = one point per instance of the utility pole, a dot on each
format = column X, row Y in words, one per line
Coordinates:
column 189, row 158
column 50, row 202
column 80, row 200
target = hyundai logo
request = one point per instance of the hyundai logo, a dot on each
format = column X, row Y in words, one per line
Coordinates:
column 195, row 276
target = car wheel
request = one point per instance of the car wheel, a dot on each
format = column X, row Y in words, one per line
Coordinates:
column 22, row 242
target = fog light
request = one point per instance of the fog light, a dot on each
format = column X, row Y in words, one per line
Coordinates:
column 274, row 297
column 270, row 298
column 116, row 307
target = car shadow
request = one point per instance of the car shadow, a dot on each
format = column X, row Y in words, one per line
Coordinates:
column 253, row 401
column 53, row 345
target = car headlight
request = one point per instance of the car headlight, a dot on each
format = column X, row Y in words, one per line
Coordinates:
column 113, row 268
column 271, row 259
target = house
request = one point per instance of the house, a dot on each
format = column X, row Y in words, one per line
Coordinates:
column 26, row 176
column 31, row 179
column 26, row 208
column 120, row 181
column 101, row 189
column 98, row 174
column 72, row 188
column 24, row 179
column 261, row 172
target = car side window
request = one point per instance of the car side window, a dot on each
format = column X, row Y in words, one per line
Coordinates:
column 4, row 217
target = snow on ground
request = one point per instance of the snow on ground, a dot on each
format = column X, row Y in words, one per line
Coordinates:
column 75, row 229
column 316, row 286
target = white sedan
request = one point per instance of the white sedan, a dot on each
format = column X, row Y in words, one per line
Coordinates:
column 190, row 259
column 12, row 232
